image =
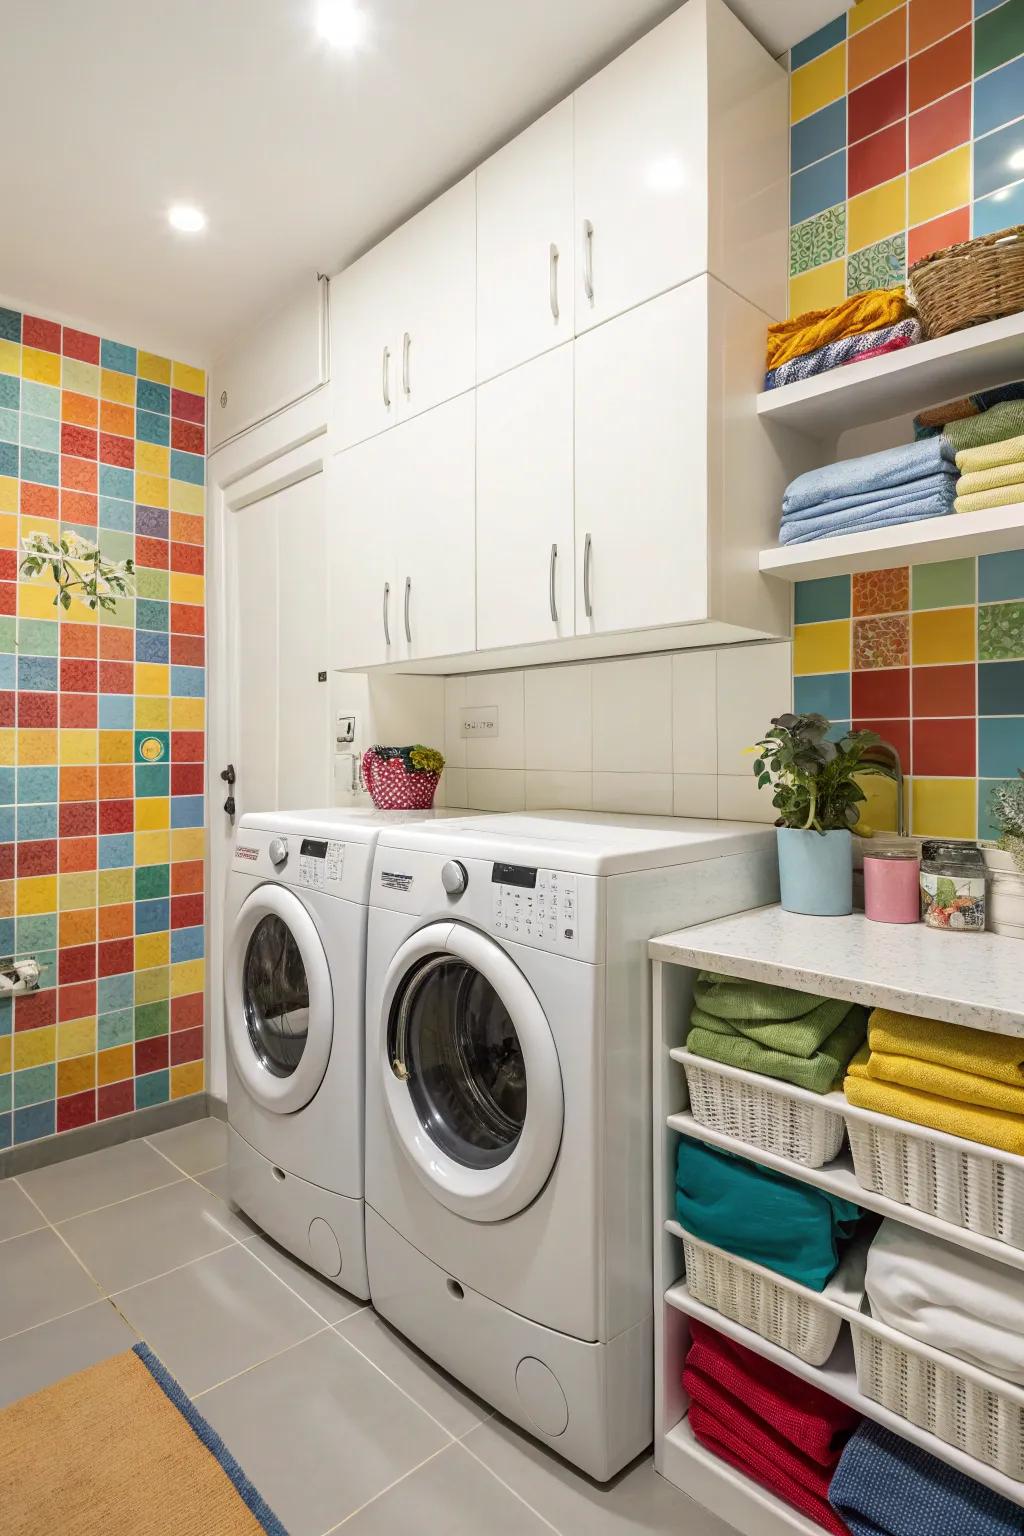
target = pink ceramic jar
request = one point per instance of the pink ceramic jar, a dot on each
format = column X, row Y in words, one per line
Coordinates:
column 892, row 891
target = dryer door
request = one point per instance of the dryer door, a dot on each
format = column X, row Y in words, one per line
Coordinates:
column 279, row 1004
column 471, row 1074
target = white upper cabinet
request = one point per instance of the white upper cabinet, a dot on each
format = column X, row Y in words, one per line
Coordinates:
column 524, row 503
column 364, row 603
column 363, row 306
column 524, row 245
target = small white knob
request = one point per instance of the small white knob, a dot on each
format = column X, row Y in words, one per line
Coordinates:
column 278, row 851
column 454, row 877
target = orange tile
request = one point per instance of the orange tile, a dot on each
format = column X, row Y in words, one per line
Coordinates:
column 114, row 1065
column 39, row 500
column 77, row 639
column 77, row 408
column 78, row 507
column 932, row 19
column 119, row 419
column 940, row 127
column 77, row 853
column 116, row 644
column 78, row 783
column 6, row 898
column 948, row 229
column 940, row 69
column 77, row 928
column 117, row 922
column 876, row 49
column 115, row 782
column 76, row 1075
column 77, row 474
column 187, row 878
column 189, row 530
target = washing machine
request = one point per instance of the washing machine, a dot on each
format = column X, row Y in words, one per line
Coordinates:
column 508, row 1100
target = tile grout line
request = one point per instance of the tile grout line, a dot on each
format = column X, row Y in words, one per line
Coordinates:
column 480, row 1461
column 186, row 1264
column 139, row 1194
column 359, row 1307
column 195, row 1396
column 366, row 1504
column 391, row 1382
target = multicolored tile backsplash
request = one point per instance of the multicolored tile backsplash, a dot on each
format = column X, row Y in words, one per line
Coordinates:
column 907, row 135
column 102, row 732
column 931, row 657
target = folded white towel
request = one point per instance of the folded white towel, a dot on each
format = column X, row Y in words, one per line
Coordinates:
column 958, row 1301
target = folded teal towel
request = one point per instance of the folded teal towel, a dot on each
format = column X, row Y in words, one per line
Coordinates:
column 761, row 1215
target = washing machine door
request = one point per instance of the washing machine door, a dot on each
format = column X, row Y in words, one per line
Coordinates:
column 279, row 1004
column 471, row 1075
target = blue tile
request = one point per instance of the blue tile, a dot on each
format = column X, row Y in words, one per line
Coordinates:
column 188, row 466
column 187, row 811
column 186, row 944
column 9, row 460
column 999, row 159
column 986, row 826
column 115, row 481
column 115, row 1028
column 35, row 1085
column 1001, row 577
column 8, row 670
column 36, row 786
column 31, row 1124
column 37, row 674
column 6, row 936
column 36, row 821
column 982, row 7
column 151, row 522
column 151, row 428
column 10, row 392
column 7, row 834
column 10, row 325
column 150, row 396
column 151, row 646
column 827, row 694
column 40, row 432
column 117, row 514
column 152, row 1088
column 5, row 1094
column 999, row 97
column 1000, row 746
column 818, row 187
column 188, row 682
column 817, row 136
column 39, row 467
column 5, row 1015
column 838, row 729
column 10, row 421
column 151, row 614
column 116, row 850
column 827, row 598
column 1001, row 688
column 826, row 37
column 115, row 355
column 116, row 711
column 36, row 931
column 152, row 780
column 7, row 794
column 40, row 399
column 47, row 960
column 152, row 916
column 5, row 1132
column 114, row 993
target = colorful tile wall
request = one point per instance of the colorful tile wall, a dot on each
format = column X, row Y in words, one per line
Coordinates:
column 102, row 732
column 931, row 657
column 907, row 134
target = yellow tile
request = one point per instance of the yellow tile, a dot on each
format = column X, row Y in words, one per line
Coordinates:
column 10, row 357
column 115, row 1065
column 187, row 589
column 117, row 386
column 152, row 813
column 152, row 714
column 941, row 185
column 152, row 949
column 8, row 495
column 819, row 289
column 115, row 887
column 77, row 890
column 48, row 525
column 78, row 747
column 7, row 745
column 151, row 848
column 34, row 1047
column 79, row 613
column 876, row 214
column 187, row 714
column 878, row 809
column 944, row 807
column 942, row 635
column 153, row 367
column 5, row 1053
column 188, row 843
column 815, row 84
column 80, row 378
column 188, row 977
column 152, row 459
column 151, row 677
column 187, row 498
column 151, row 490
column 77, row 1038
column 186, row 1078
column 867, row 11
column 821, row 647
column 116, row 747
column 38, row 894
column 184, row 376
column 35, row 600
column 8, row 528
column 42, row 367
column 76, row 1075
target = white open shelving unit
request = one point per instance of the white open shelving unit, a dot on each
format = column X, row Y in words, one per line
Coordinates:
column 864, row 963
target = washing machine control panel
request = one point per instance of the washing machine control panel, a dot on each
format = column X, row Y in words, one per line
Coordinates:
column 321, row 863
column 536, row 906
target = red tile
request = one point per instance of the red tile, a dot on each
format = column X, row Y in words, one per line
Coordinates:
column 78, row 784
column 875, row 105
column 78, row 474
column 7, row 709
column 116, row 676
column 151, row 1055
column 8, row 565
column 35, row 1010
column 77, row 853
column 82, row 345
column 77, row 1001
column 186, row 911
column 186, row 1012
column 78, row 507
column 932, row 19
column 117, row 450
column 7, row 861
column 117, row 816
column 943, row 691
column 883, row 693
column 77, row 639
column 78, row 818
column 876, row 159
column 77, row 675
column 940, row 127
column 116, row 957
column 186, row 877
column 44, row 334
column 940, row 69
column 945, row 748
column 151, row 552
column 187, row 747
column 80, row 441
column 188, row 407
column 188, row 436
column 78, row 964
column 188, row 557
column 37, row 858
column 115, row 1099
column 186, row 1045
column 895, row 732
column 116, row 644
column 187, row 779
column 39, row 500
column 188, row 650
column 187, row 619
column 75, row 1110
column 37, row 711
column 948, row 229
column 8, row 597
column 78, row 711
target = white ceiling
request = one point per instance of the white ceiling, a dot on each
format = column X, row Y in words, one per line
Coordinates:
column 301, row 157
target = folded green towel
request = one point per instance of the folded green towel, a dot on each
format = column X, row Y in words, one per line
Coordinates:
column 982, row 501
column 728, row 998
column 819, row 1072
column 1002, row 454
column 761, row 1215
column 794, row 1037
column 1006, row 419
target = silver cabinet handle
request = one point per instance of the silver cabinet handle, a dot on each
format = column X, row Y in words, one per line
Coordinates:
column 406, row 346
column 408, row 591
column 588, row 259
column 587, row 605
column 553, row 280
column 384, row 382
column 552, row 603
column 387, row 599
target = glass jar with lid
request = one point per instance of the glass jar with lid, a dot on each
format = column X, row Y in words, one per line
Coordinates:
column 953, row 887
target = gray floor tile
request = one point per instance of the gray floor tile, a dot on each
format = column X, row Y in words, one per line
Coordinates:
column 332, row 1304
column 85, row 1183
column 216, row 1317
column 137, row 1239
column 320, row 1432
column 43, row 1355
column 435, row 1391
column 195, row 1148
column 452, row 1495
column 216, row 1181
column 39, row 1279
column 17, row 1213
column 636, row 1503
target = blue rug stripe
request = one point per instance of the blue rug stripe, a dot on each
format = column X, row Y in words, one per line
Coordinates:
column 251, row 1497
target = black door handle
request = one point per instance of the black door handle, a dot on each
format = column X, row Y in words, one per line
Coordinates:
column 228, row 774
column 229, row 805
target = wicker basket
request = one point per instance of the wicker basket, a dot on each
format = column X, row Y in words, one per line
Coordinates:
column 748, row 1109
column 970, row 283
column 961, row 1405
column 942, row 1176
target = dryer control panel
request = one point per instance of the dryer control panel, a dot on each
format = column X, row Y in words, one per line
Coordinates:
column 538, row 906
column 321, row 862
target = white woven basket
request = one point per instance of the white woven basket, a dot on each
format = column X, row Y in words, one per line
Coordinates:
column 747, row 1108
column 942, row 1176
column 963, row 1406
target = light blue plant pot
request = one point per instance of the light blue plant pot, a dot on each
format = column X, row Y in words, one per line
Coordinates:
column 816, row 872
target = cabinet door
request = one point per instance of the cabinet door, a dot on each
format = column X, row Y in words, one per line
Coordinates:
column 435, row 499
column 365, row 367
column 524, row 513
column 641, row 466
column 640, row 171
column 361, row 511
column 524, row 245
column 435, row 301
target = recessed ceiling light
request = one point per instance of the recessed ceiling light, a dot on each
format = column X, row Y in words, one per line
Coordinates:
column 1017, row 160
column 341, row 23
column 186, row 217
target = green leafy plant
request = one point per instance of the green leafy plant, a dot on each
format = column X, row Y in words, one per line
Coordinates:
column 1006, row 807
column 79, row 570
column 417, row 759
column 814, row 780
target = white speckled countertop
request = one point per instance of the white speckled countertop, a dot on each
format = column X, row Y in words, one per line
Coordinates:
column 976, row 979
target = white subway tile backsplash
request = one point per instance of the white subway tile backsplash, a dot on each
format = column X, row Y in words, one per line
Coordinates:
column 739, row 799
column 632, row 702
column 695, row 794
column 453, row 783
column 553, row 789
column 496, row 789
column 754, row 683
column 695, row 713
column 504, row 690
column 645, row 794
column 454, row 702
column 559, row 721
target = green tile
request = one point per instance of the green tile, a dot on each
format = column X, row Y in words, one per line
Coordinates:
column 946, row 584
column 817, row 240
column 82, row 378
column 5, row 1092
column 8, row 635
column 115, row 1029
column 34, row 1085
column 817, row 601
column 154, row 985
column 39, row 637
column 998, row 37
column 152, row 1019
column 152, row 1088
column 117, row 545
column 883, row 265
column 36, row 932
column 151, row 881
column 150, row 583
column 1001, row 631
column 115, row 886
column 122, row 614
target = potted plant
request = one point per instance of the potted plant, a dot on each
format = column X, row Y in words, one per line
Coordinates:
column 815, row 791
column 1004, row 859
column 402, row 778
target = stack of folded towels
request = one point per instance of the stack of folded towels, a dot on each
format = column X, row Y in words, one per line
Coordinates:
column 986, row 433
column 881, row 490
column 991, row 476
column 963, row 1081
column 866, row 325
column 784, row 1433
column 794, row 1036
column 760, row 1215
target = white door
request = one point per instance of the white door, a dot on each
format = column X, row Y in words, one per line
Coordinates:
column 433, row 265
column 524, row 503
column 362, row 507
column 641, row 466
column 640, row 171
column 524, row 245
column 364, row 365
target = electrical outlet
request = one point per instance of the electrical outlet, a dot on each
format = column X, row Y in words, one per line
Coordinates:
column 479, row 722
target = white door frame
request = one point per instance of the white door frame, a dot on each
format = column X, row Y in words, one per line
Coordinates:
column 291, row 446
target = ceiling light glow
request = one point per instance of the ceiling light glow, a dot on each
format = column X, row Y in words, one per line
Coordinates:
column 1017, row 160
column 187, row 218
column 341, row 23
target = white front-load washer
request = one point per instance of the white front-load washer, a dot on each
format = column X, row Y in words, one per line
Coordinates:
column 508, row 1100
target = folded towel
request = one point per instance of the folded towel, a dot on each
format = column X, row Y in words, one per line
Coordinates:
column 938, row 504
column 818, row 1072
column 1001, row 476
column 981, row 501
column 1005, row 452
column 734, row 1440
column 817, row 327
column 872, row 472
column 992, row 1127
column 888, row 499
column 977, row 1053
column 848, row 349
column 961, row 1302
column 777, row 1017
column 930, row 422
column 1000, row 421
column 761, row 1215
column 884, row 1486
column 894, row 344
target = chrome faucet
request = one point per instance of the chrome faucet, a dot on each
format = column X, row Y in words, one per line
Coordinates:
column 884, row 755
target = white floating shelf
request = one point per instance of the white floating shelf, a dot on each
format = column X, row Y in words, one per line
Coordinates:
column 901, row 382
column 936, row 538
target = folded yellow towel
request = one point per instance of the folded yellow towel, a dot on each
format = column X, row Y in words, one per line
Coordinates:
column 817, row 327
column 948, row 1045
column 926, row 1077
column 991, row 1127
column 1009, row 450
column 990, row 479
column 1005, row 496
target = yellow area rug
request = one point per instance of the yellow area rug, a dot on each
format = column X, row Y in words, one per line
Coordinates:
column 119, row 1450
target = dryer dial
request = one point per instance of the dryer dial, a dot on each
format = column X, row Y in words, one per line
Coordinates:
column 454, row 877
column 278, row 851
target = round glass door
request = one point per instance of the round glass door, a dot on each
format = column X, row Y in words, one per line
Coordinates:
column 275, row 996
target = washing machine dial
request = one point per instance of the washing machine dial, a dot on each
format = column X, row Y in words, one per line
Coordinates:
column 454, row 877
column 278, row 851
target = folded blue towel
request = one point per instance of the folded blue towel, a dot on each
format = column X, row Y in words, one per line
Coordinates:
column 829, row 527
column 873, row 472
column 873, row 502
column 884, row 1486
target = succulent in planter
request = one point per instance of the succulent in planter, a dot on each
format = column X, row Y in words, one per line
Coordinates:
column 1006, row 807
column 402, row 778
column 815, row 779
